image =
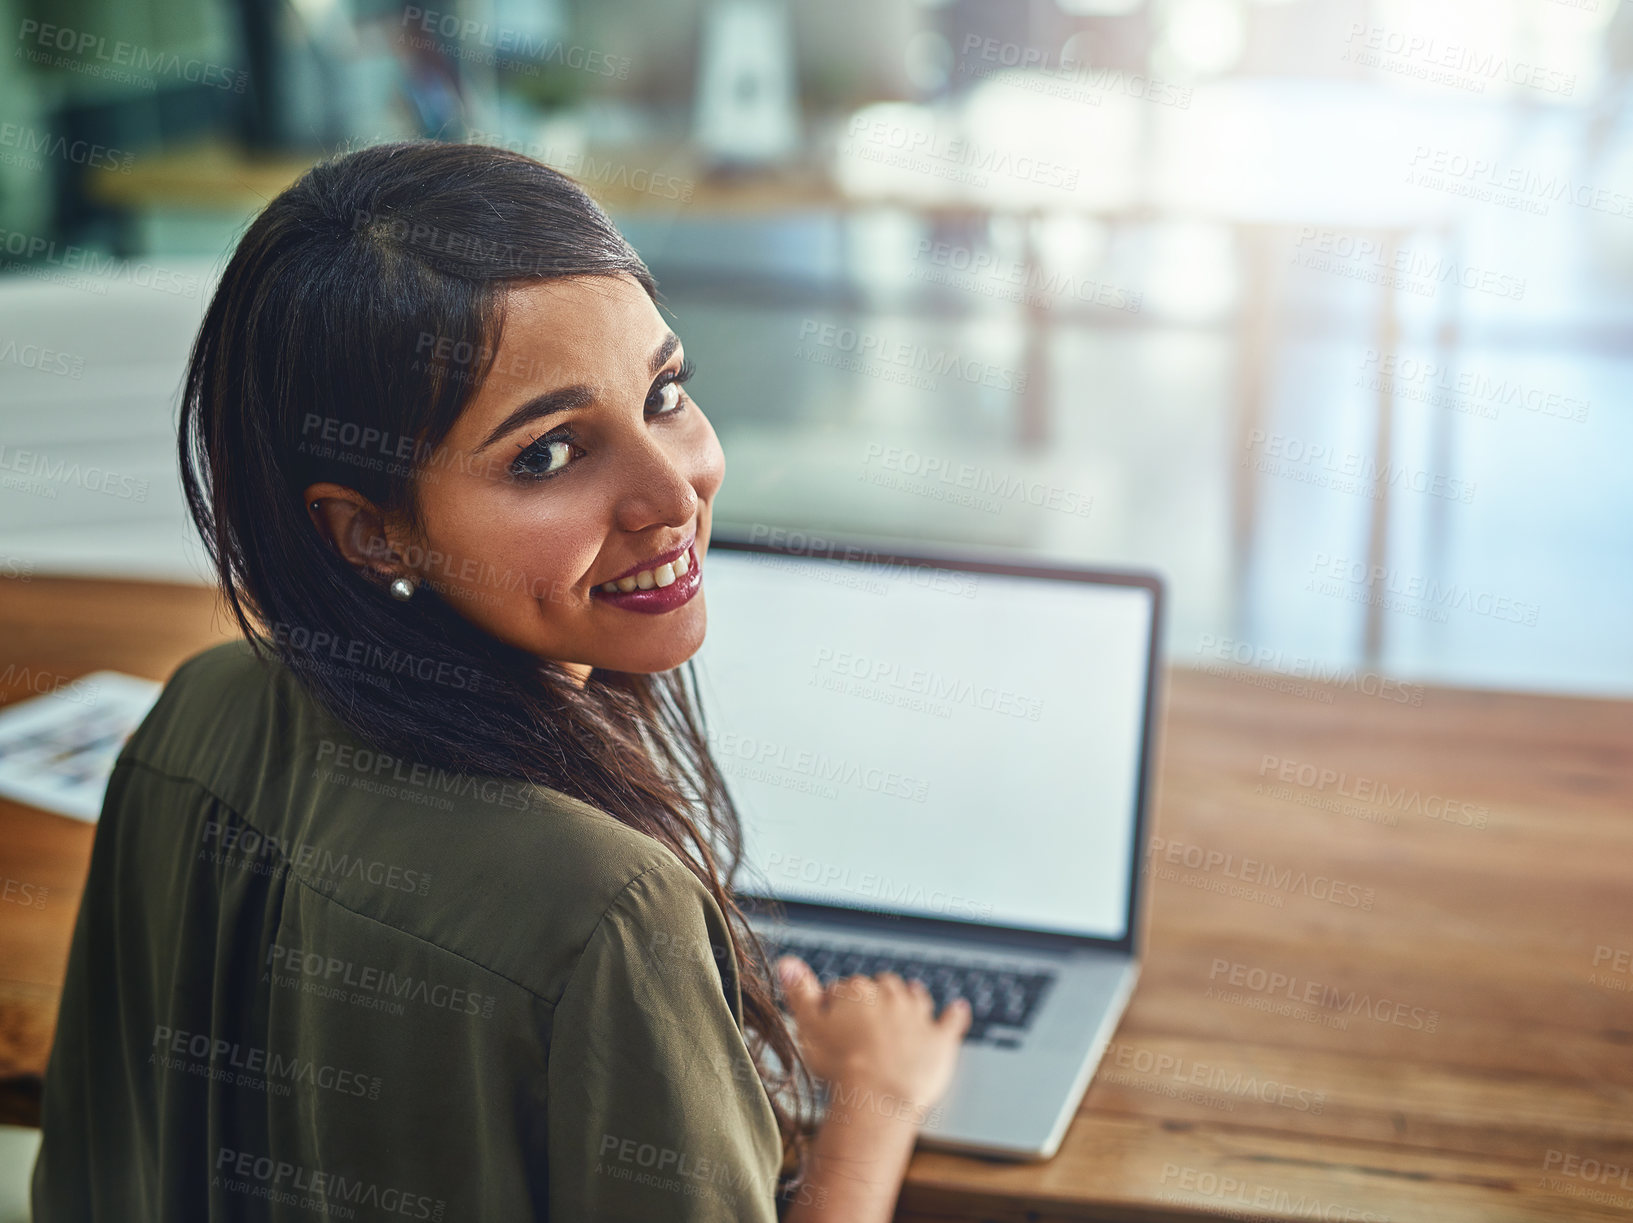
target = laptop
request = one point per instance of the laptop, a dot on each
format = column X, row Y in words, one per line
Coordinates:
column 941, row 762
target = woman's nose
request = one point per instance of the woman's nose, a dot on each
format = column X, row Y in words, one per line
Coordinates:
column 659, row 487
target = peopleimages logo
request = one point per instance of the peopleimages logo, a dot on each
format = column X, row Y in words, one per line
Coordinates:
column 587, row 168
column 242, row 845
column 818, row 767
column 891, row 892
column 1610, row 968
column 374, row 765
column 290, row 1184
column 1260, row 873
column 320, row 644
column 1303, row 666
column 16, row 680
column 1470, row 391
column 36, row 249
column 1240, row 1196
column 925, row 576
column 1596, row 1171
column 903, row 357
column 44, row 360
column 1379, row 261
column 37, row 472
column 675, row 1170
column 1289, row 987
column 984, row 272
column 1521, row 188
column 253, row 1067
column 1345, row 471
column 1038, row 72
column 516, row 44
column 94, row 55
column 28, row 140
column 959, row 158
column 1221, row 1079
column 997, row 487
column 29, row 895
column 1358, row 581
column 1370, row 790
column 1441, row 61
column 330, row 976
column 934, row 685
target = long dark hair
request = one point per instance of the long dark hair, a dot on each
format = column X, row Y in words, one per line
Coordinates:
column 368, row 298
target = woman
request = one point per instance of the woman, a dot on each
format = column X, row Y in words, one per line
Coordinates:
column 417, row 904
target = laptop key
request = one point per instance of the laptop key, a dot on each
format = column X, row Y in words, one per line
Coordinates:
column 853, row 965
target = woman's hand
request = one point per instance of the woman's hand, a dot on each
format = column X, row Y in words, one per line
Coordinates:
column 875, row 1035
column 886, row 1058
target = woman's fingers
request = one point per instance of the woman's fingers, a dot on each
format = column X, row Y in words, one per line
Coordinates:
column 955, row 1017
column 799, row 984
column 804, row 991
column 855, row 989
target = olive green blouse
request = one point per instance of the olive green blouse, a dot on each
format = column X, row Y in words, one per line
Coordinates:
column 309, row 980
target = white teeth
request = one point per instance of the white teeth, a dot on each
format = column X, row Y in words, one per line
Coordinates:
column 648, row 579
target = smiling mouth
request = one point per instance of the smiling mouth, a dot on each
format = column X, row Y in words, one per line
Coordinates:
column 655, row 578
column 656, row 589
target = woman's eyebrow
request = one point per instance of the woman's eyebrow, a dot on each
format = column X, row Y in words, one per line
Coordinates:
column 548, row 404
column 565, row 398
column 661, row 355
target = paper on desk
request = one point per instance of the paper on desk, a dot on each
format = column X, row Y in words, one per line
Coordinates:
column 57, row 750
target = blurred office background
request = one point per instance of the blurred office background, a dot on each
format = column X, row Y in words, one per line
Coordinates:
column 1319, row 307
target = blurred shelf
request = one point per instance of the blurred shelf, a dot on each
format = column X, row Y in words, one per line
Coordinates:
column 215, row 176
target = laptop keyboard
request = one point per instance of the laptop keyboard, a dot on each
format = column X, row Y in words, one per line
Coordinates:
column 1003, row 1002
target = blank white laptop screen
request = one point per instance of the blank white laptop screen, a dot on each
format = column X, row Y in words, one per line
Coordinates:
column 927, row 741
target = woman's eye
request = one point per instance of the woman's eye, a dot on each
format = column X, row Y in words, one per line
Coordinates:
column 543, row 458
column 549, row 455
column 665, row 397
column 668, row 396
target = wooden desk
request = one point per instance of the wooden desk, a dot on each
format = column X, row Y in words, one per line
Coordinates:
column 51, row 631
column 1211, row 1102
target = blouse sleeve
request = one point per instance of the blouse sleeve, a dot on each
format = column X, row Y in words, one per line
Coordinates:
column 655, row 1108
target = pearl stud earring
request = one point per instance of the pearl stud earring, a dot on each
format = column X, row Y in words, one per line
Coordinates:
column 402, row 588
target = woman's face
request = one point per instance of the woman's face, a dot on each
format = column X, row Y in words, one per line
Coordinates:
column 580, row 461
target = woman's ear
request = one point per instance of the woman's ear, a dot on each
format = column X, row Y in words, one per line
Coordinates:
column 356, row 529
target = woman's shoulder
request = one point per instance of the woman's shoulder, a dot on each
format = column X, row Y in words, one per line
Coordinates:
column 511, row 875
